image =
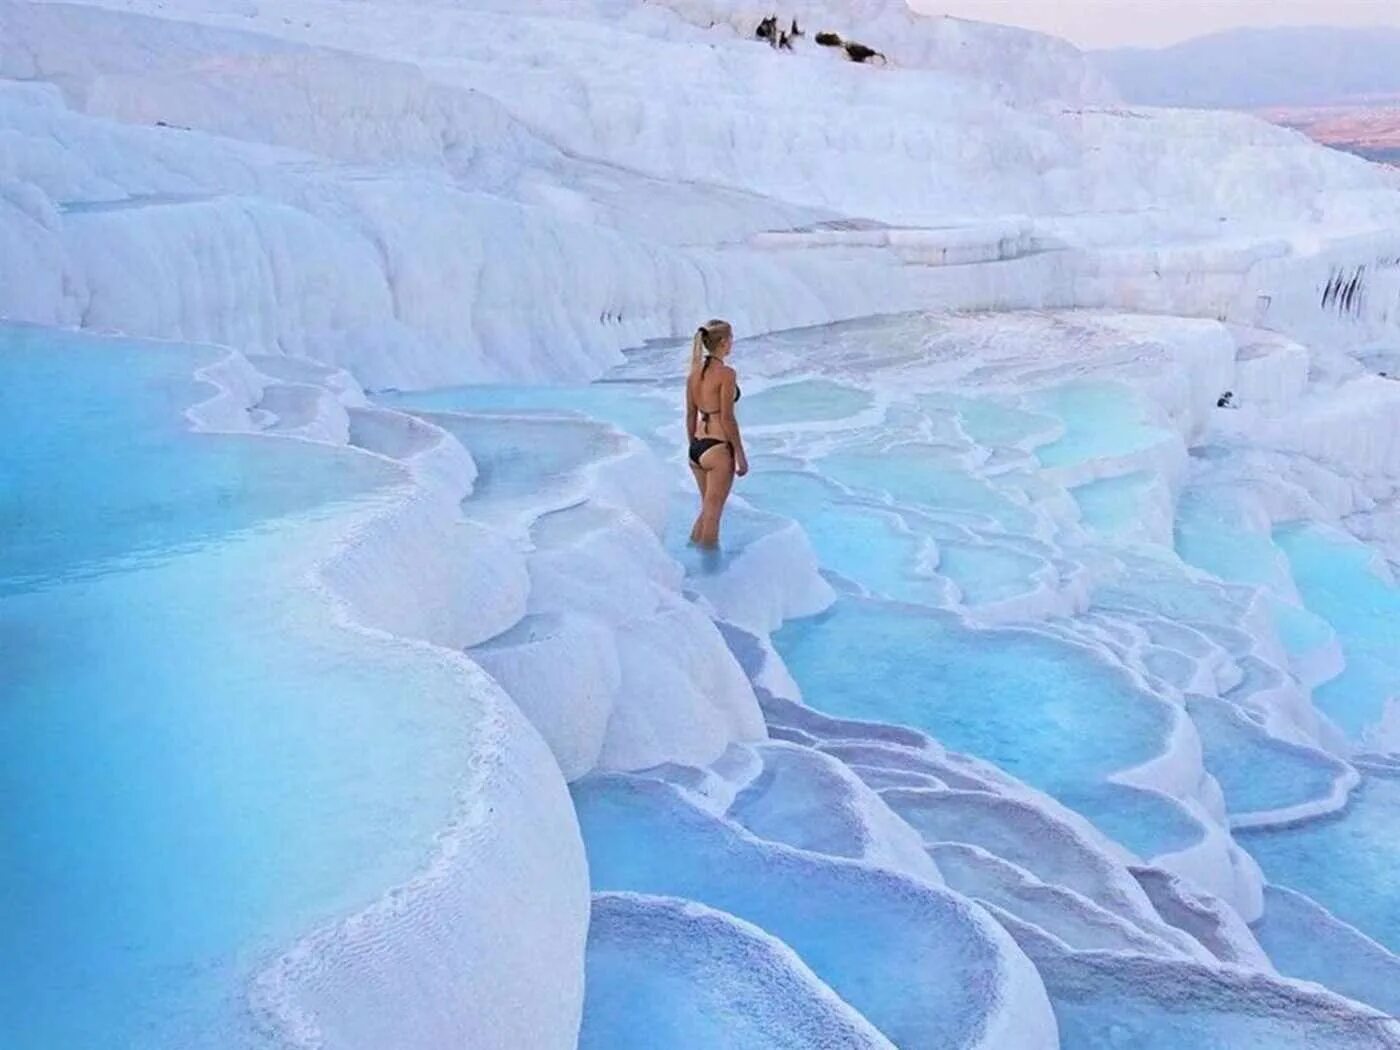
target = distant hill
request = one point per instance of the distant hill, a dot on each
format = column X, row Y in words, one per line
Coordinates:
column 1370, row 130
column 1252, row 68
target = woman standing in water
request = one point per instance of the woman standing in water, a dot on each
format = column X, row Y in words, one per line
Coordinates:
column 716, row 449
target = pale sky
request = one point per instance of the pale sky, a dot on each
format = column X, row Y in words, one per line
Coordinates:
column 1152, row 23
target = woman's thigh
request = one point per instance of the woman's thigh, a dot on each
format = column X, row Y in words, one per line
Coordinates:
column 699, row 475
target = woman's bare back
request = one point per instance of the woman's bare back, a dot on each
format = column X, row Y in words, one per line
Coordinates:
column 708, row 393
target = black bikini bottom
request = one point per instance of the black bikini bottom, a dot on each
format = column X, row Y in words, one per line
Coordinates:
column 699, row 446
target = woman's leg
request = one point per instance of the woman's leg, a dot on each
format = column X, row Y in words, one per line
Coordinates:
column 699, row 484
column 718, row 465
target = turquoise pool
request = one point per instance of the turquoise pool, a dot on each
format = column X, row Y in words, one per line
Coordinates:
column 197, row 765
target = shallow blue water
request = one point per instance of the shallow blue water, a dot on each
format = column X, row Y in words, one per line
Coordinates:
column 742, row 527
column 928, row 478
column 1301, row 632
column 1103, row 1002
column 991, row 423
column 667, row 973
column 1338, row 582
column 806, row 401
column 1113, row 505
column 1159, row 585
column 987, row 574
column 1345, row 960
column 901, row 955
column 196, row 765
column 1046, row 711
column 1349, row 863
column 518, row 458
column 1100, row 419
column 1211, row 536
column 860, row 543
column 1147, row 822
column 1255, row 771
column 637, row 408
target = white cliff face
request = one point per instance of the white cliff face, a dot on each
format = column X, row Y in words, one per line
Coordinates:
column 194, row 170
column 1007, row 715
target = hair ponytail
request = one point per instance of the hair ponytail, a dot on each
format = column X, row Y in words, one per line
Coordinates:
column 697, row 349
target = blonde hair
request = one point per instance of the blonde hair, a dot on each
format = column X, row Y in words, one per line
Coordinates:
column 709, row 337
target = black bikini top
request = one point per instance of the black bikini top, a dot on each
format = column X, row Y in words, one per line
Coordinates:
column 737, row 392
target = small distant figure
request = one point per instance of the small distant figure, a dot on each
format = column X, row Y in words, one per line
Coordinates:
column 1226, row 400
column 860, row 53
column 784, row 42
column 826, row 39
column 794, row 32
column 768, row 30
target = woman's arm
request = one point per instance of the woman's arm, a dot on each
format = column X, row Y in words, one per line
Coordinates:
column 689, row 413
column 730, row 423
